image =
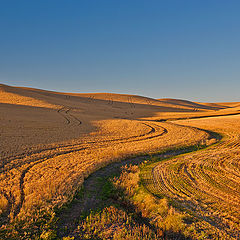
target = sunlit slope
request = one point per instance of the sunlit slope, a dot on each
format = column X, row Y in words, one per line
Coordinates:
column 193, row 105
column 51, row 141
column 31, row 118
column 34, row 118
column 17, row 96
column 43, row 98
column 206, row 183
column 198, row 110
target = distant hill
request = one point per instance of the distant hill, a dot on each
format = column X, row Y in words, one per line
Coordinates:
column 51, row 99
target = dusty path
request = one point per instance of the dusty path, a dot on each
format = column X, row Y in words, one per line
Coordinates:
column 91, row 196
column 51, row 142
column 32, row 159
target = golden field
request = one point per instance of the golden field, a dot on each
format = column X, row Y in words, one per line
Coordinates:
column 205, row 183
column 51, row 142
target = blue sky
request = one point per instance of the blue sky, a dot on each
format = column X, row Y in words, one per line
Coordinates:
column 180, row 49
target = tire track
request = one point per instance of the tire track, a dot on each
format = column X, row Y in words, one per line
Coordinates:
column 79, row 121
column 41, row 151
column 65, row 113
column 130, row 101
column 21, row 156
column 25, row 171
column 33, row 162
column 60, row 111
column 194, row 180
column 110, row 100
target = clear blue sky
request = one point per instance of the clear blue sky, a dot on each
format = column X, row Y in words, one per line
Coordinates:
column 174, row 48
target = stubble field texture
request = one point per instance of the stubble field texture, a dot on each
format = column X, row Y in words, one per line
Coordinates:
column 52, row 142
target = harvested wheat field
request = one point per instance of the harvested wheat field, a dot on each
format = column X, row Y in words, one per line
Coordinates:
column 205, row 183
column 52, row 142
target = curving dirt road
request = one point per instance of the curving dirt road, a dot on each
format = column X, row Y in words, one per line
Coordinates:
column 25, row 163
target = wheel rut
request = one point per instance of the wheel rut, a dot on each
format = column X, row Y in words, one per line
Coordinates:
column 89, row 201
column 204, row 183
column 16, row 207
column 61, row 148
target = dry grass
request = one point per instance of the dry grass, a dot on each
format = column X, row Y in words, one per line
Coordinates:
column 113, row 223
column 3, row 203
column 162, row 216
column 205, row 183
column 50, row 142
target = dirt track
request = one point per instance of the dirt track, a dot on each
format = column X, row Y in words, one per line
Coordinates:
column 51, row 142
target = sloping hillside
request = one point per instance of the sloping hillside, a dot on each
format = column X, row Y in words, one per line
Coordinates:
column 51, row 142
